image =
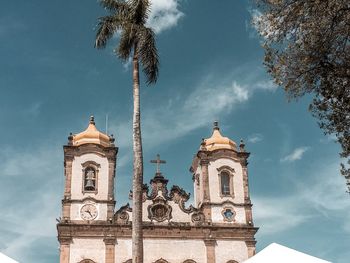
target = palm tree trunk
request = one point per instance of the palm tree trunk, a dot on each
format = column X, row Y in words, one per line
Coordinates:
column 137, row 238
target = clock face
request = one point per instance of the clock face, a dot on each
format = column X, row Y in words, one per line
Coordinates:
column 88, row 212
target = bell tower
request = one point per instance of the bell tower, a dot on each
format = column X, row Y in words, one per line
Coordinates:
column 220, row 176
column 89, row 170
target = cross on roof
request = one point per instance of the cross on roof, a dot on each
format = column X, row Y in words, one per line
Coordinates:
column 158, row 161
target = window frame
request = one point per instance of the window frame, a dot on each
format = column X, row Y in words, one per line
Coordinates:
column 226, row 170
column 90, row 165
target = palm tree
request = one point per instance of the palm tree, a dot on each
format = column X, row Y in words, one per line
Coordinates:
column 128, row 18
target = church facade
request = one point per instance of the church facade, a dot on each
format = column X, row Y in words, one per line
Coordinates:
column 218, row 228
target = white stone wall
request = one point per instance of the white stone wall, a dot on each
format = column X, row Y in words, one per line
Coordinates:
column 230, row 250
column 214, row 183
column 84, row 248
column 77, row 177
column 174, row 251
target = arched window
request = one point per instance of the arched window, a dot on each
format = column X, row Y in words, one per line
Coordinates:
column 161, row 260
column 189, row 261
column 225, row 183
column 87, row 261
column 226, row 186
column 232, row 261
column 90, row 179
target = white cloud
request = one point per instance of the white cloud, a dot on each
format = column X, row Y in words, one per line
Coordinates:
column 211, row 99
column 29, row 184
column 254, row 138
column 328, row 138
column 177, row 117
column 165, row 14
column 266, row 85
column 321, row 194
column 273, row 214
column 241, row 93
column 127, row 64
column 297, row 154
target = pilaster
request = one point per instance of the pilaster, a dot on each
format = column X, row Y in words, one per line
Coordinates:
column 111, row 177
column 68, row 160
column 68, row 174
column 65, row 249
column 206, row 192
column 210, row 248
column 205, row 173
column 110, row 249
column 251, row 248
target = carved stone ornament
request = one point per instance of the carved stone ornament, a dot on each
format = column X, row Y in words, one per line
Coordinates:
column 228, row 214
column 180, row 197
column 159, row 184
column 159, row 210
column 122, row 215
column 197, row 218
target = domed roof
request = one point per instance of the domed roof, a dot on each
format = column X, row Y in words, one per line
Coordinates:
column 91, row 135
column 217, row 141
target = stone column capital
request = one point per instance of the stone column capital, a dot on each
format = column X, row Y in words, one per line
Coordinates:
column 210, row 242
column 66, row 240
column 109, row 240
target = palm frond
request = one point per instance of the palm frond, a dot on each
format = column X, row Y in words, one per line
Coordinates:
column 139, row 11
column 112, row 5
column 148, row 53
column 126, row 42
column 115, row 6
column 107, row 26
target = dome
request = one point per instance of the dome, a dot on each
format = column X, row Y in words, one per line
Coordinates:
column 91, row 135
column 217, row 141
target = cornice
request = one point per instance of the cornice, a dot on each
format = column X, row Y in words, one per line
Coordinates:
column 71, row 151
column 172, row 231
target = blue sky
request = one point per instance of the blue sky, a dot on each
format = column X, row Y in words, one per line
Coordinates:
column 52, row 80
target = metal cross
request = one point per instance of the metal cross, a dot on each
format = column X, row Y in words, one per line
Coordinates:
column 158, row 161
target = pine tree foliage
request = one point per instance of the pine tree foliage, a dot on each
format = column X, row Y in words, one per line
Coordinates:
column 307, row 51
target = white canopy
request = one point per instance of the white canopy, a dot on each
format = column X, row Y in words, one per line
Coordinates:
column 275, row 253
column 6, row 259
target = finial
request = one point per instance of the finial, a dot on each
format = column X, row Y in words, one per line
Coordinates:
column 70, row 139
column 111, row 139
column 241, row 146
column 202, row 148
column 216, row 125
column 92, row 119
